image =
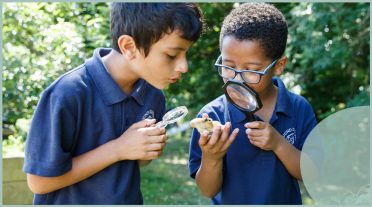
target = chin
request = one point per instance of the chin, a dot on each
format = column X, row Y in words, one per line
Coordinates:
column 160, row 86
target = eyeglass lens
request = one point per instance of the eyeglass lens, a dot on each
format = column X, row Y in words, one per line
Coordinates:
column 231, row 74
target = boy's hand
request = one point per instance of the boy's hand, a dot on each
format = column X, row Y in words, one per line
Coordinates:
column 263, row 135
column 215, row 147
column 141, row 141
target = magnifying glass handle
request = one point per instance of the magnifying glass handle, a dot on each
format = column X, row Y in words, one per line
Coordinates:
column 161, row 124
column 250, row 117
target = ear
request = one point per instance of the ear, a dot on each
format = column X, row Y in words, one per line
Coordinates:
column 280, row 65
column 127, row 46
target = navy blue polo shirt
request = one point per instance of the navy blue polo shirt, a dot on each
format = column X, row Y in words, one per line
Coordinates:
column 80, row 111
column 252, row 175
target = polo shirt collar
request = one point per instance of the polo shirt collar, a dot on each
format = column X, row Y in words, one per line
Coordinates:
column 238, row 115
column 282, row 103
column 139, row 91
column 109, row 90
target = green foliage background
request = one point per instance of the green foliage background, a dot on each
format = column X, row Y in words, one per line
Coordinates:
column 328, row 50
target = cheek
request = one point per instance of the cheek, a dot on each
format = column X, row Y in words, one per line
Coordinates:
column 162, row 70
column 259, row 87
column 266, row 79
column 158, row 67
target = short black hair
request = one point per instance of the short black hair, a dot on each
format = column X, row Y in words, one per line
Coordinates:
column 259, row 22
column 148, row 22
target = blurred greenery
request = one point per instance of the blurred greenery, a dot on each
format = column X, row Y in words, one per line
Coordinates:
column 328, row 50
column 166, row 180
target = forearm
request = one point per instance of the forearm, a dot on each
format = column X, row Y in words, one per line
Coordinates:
column 83, row 166
column 209, row 177
column 290, row 157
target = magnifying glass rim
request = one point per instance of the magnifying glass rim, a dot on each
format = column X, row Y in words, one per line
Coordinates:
column 258, row 100
column 179, row 108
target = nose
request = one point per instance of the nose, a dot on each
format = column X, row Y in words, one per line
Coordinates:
column 182, row 66
column 238, row 77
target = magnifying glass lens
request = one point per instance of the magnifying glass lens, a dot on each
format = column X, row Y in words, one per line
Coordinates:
column 173, row 116
column 242, row 97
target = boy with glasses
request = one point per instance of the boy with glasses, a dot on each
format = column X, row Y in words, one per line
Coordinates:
column 259, row 162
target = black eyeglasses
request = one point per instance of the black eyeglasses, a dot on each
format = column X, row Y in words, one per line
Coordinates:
column 248, row 76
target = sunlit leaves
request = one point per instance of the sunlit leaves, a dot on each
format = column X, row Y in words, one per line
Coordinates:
column 40, row 42
column 328, row 50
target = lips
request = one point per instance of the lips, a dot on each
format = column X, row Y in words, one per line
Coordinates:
column 175, row 79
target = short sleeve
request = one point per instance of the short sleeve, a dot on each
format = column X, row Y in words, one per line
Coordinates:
column 51, row 136
column 194, row 153
column 308, row 124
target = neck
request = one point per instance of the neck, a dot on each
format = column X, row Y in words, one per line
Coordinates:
column 268, row 99
column 120, row 71
column 269, row 94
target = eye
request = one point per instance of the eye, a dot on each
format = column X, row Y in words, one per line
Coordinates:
column 231, row 66
column 172, row 57
column 252, row 69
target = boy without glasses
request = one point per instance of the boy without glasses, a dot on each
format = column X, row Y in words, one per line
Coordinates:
column 88, row 137
column 259, row 162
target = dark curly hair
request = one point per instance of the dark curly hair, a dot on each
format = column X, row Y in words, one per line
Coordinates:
column 148, row 22
column 259, row 22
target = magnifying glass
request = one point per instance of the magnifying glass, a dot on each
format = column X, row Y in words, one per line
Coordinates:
column 173, row 116
column 243, row 97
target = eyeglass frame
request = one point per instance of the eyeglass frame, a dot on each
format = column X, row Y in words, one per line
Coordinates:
column 260, row 73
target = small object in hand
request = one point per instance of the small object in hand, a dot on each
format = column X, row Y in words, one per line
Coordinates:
column 204, row 124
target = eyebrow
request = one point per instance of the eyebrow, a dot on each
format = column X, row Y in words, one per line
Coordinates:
column 245, row 63
column 176, row 48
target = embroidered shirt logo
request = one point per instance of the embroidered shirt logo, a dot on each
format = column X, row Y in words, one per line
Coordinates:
column 290, row 135
column 149, row 115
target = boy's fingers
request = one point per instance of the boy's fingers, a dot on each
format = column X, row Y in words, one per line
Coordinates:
column 205, row 115
column 225, row 134
column 215, row 136
column 144, row 123
column 253, row 138
column 255, row 124
column 231, row 138
column 253, row 132
column 153, row 154
column 154, row 131
column 155, row 146
column 254, row 142
column 203, row 138
column 158, row 139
